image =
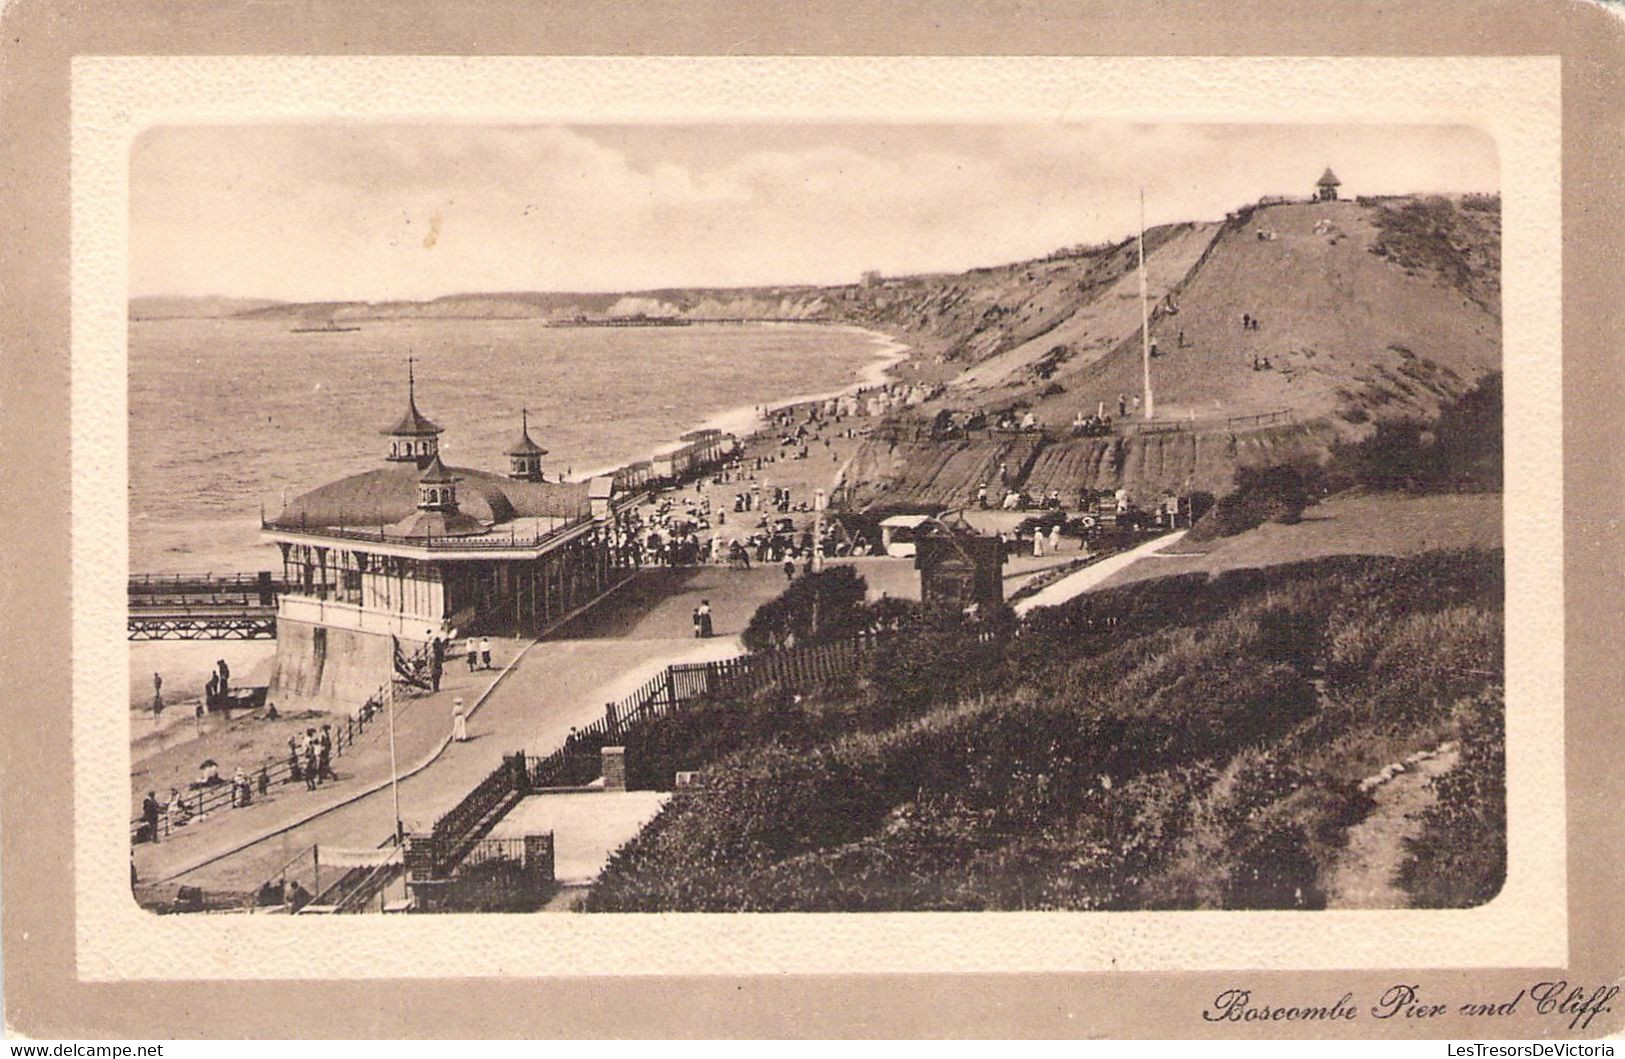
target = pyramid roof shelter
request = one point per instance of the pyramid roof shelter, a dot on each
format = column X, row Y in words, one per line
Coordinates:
column 1328, row 179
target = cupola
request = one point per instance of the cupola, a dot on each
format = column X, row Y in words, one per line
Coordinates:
column 437, row 488
column 524, row 455
column 414, row 438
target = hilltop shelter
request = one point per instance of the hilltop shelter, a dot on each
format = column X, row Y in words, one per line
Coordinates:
column 380, row 563
column 1326, row 187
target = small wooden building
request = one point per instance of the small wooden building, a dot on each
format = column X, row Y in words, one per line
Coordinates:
column 961, row 569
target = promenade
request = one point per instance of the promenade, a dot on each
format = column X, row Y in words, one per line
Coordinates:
column 529, row 701
column 537, row 693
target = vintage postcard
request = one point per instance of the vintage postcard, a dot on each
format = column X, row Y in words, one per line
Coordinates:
column 666, row 517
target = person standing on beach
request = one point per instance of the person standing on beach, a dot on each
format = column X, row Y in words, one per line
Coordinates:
column 157, row 695
column 149, row 816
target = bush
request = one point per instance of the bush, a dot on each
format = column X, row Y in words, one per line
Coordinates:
column 1262, row 494
column 1462, row 451
column 816, row 608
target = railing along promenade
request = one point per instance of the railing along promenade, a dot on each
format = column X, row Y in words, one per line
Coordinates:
column 275, row 771
column 916, row 430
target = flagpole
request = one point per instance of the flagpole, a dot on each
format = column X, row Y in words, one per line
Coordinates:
column 1145, row 318
column 394, row 773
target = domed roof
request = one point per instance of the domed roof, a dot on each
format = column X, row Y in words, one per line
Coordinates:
column 388, row 494
column 437, row 524
column 1328, row 179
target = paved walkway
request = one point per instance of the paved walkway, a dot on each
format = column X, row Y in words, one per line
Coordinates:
column 1092, row 576
column 554, row 687
column 422, row 726
column 562, row 683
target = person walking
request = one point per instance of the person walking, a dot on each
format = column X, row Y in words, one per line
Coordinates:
column 705, row 619
column 473, row 653
column 225, row 678
column 485, row 652
column 293, row 760
column 1055, row 539
column 157, row 695
column 459, row 721
column 312, row 776
column 789, row 570
column 437, row 662
column 324, row 754
column 696, row 619
column 1038, row 544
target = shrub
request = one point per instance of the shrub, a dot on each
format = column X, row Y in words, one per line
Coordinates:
column 816, row 608
column 1276, row 493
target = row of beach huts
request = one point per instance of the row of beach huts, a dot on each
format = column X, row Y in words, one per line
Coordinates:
column 699, row 450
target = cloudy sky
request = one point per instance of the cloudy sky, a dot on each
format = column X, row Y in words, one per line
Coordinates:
column 377, row 212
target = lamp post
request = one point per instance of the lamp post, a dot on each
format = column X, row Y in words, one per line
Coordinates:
column 820, row 501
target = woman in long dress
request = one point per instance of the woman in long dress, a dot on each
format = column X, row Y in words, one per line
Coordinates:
column 459, row 721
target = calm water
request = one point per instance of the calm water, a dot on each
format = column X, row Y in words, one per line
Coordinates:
column 227, row 415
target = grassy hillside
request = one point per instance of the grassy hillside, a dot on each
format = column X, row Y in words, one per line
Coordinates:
column 1182, row 743
column 1367, row 311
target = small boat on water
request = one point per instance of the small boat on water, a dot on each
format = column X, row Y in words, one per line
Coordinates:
column 331, row 327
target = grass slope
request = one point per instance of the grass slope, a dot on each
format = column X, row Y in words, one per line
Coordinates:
column 1181, row 743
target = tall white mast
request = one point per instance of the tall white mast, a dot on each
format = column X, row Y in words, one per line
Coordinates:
column 1145, row 318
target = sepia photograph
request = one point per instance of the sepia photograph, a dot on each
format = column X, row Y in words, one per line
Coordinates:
column 561, row 536
column 1086, row 516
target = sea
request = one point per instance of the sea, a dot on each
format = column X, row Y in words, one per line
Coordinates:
column 232, row 417
column 228, row 417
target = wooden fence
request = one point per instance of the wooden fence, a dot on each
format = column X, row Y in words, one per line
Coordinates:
column 456, row 834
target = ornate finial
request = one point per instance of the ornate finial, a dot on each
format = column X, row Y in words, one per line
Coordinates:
column 411, row 384
column 524, row 420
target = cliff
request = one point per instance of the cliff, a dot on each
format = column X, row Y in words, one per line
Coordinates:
column 1369, row 309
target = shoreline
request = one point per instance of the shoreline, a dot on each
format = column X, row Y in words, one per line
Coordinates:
column 744, row 421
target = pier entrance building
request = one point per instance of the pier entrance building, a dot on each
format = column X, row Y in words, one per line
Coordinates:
column 389, row 559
